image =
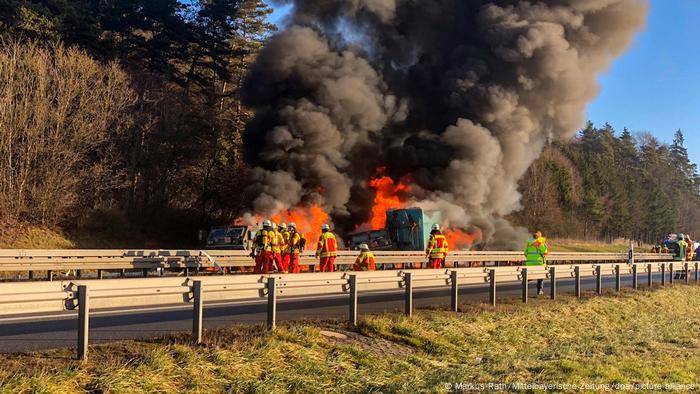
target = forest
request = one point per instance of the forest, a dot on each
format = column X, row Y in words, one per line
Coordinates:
column 125, row 117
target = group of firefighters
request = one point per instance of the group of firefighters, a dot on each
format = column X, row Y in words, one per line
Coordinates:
column 681, row 246
column 277, row 249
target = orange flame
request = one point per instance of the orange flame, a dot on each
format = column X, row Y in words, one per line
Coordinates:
column 308, row 220
column 459, row 239
column 388, row 195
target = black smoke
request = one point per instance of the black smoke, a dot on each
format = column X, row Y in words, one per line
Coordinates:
column 462, row 95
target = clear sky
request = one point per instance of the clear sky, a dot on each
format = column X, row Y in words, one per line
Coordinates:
column 655, row 86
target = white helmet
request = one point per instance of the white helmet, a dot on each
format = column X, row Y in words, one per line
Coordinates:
column 326, row 227
column 292, row 225
column 283, row 226
column 273, row 225
column 267, row 223
column 364, row 247
column 436, row 227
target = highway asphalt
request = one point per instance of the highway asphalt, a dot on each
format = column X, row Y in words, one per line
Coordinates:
column 57, row 330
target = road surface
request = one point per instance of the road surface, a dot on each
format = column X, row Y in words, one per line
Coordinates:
column 57, row 330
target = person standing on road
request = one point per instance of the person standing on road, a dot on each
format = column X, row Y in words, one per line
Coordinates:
column 262, row 251
column 365, row 261
column 437, row 249
column 295, row 244
column 327, row 249
column 536, row 255
column 284, row 241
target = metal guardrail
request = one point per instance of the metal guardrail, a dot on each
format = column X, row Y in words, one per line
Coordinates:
column 187, row 260
column 22, row 298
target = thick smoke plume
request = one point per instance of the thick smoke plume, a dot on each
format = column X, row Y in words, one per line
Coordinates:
column 459, row 95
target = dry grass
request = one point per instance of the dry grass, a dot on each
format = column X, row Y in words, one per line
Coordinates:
column 643, row 337
column 576, row 245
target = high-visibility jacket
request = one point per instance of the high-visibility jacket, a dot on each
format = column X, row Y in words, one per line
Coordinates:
column 365, row 261
column 327, row 245
column 682, row 250
column 283, row 237
column 437, row 246
column 294, row 242
column 262, row 241
column 276, row 241
column 535, row 251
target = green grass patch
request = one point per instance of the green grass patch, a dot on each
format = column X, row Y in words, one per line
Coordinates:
column 632, row 338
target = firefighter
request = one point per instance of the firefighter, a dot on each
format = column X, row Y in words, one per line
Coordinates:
column 536, row 254
column 437, row 249
column 284, row 240
column 275, row 251
column 262, row 251
column 295, row 245
column 365, row 261
column 327, row 249
column 682, row 248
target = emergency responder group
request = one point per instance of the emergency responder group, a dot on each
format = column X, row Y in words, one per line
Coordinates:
column 277, row 249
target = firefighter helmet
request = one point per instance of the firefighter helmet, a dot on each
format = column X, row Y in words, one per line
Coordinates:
column 283, row 226
column 436, row 227
column 364, row 247
column 325, row 227
column 292, row 225
column 267, row 223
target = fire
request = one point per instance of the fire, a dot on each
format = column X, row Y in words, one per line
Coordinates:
column 308, row 220
column 388, row 194
column 459, row 239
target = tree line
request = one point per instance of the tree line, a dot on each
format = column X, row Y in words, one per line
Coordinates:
column 125, row 111
column 608, row 185
column 126, row 114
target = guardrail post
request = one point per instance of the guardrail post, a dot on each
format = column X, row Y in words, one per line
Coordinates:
column 524, row 285
column 271, row 303
column 198, row 311
column 663, row 274
column 122, row 273
column 492, row 287
column 78, row 274
column 83, row 322
column 697, row 272
column 630, row 253
column 31, row 275
column 577, row 281
column 49, row 275
column 408, row 308
column 100, row 274
column 685, row 272
column 598, row 280
column 553, row 283
column 670, row 274
column 353, row 300
column 618, row 283
column 650, row 276
column 454, row 299
column 145, row 272
column 634, row 276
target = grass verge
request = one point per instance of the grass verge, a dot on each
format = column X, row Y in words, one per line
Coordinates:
column 636, row 337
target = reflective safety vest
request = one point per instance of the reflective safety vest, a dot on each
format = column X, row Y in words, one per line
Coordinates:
column 276, row 241
column 262, row 241
column 536, row 251
column 365, row 262
column 327, row 245
column 294, row 242
column 682, row 250
column 437, row 246
column 284, row 236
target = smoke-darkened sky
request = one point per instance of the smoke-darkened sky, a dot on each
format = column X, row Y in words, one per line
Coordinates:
column 655, row 86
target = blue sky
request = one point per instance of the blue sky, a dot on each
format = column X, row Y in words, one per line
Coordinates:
column 655, row 86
